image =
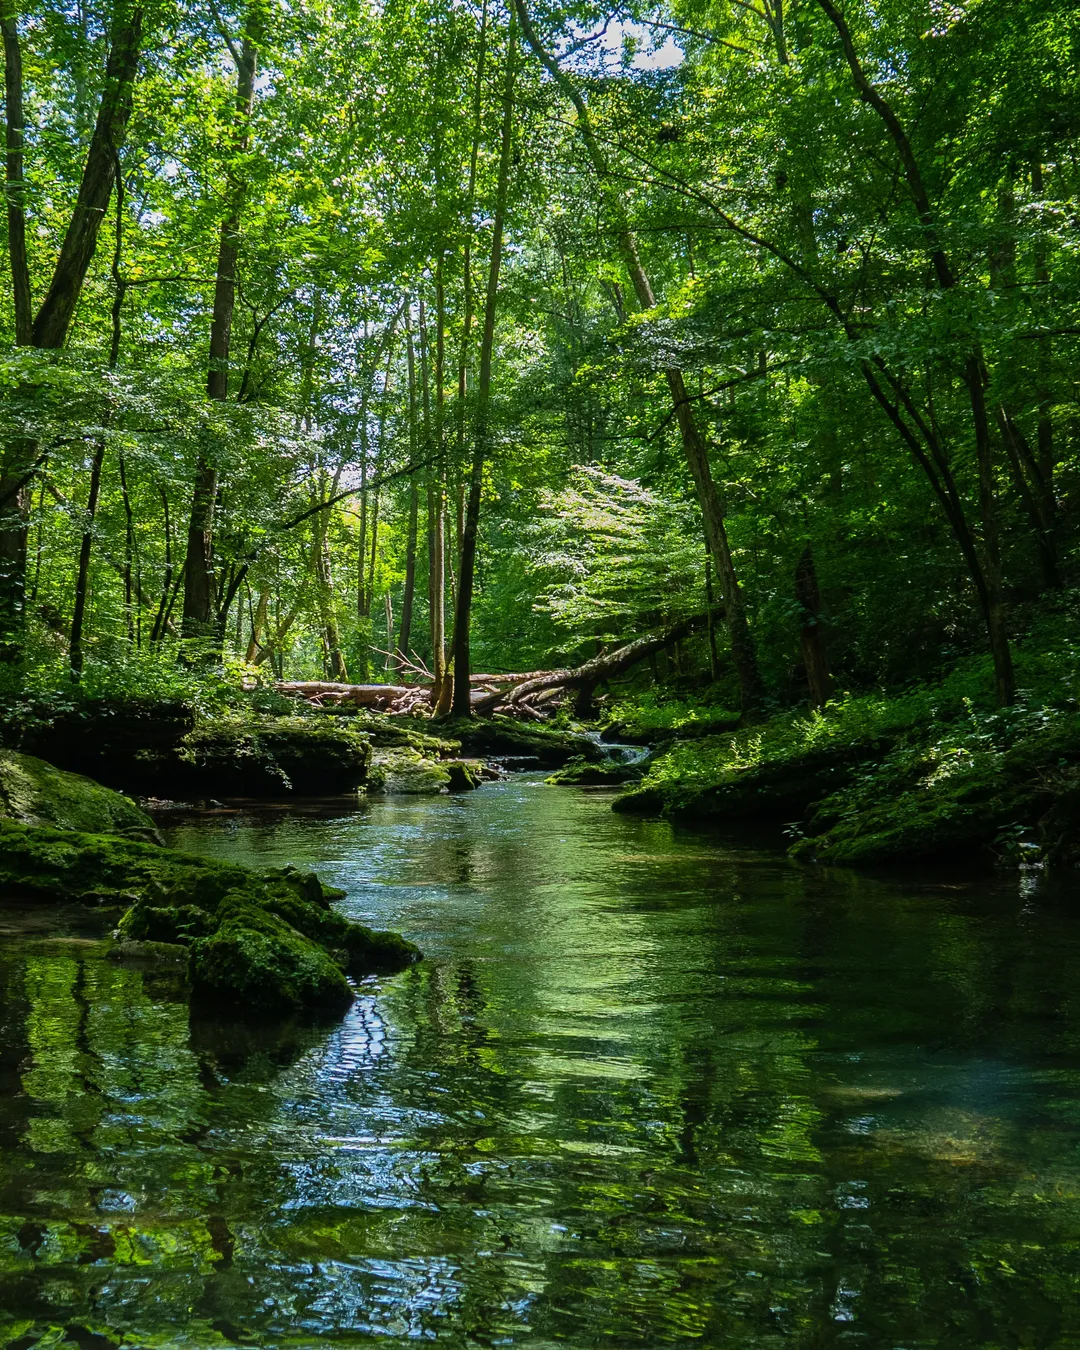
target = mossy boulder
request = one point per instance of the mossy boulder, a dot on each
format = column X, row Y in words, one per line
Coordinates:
column 387, row 732
column 407, row 773
column 266, row 942
column 165, row 751
column 578, row 773
column 37, row 793
column 465, row 774
column 504, row 737
column 274, row 756
column 256, row 959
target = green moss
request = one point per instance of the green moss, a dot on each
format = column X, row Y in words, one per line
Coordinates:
column 999, row 785
column 167, row 750
column 705, row 779
column 257, row 961
column 267, row 942
column 504, row 736
column 165, row 923
column 39, row 794
column 407, row 773
column 465, row 774
column 361, row 950
column 577, row 773
column 312, row 756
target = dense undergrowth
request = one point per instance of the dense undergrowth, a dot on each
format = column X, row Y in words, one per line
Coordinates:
column 926, row 771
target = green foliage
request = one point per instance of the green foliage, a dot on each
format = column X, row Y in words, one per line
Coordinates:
column 774, row 212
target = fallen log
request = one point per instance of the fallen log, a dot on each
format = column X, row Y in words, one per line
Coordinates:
column 362, row 695
column 586, row 676
column 524, row 694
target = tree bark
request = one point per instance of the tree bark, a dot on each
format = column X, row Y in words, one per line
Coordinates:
column 200, row 617
column 974, row 371
column 461, row 704
column 811, row 630
column 15, row 187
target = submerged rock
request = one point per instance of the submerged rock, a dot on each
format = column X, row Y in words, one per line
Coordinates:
column 266, row 942
column 37, row 793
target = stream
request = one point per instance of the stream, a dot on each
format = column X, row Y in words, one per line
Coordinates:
column 651, row 1087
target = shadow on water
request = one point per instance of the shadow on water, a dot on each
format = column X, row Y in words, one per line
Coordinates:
column 651, row 1087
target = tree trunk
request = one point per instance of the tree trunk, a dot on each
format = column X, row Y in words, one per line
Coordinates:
column 811, row 631
column 258, row 624
column 989, row 583
column 15, row 187
column 200, row 616
column 694, row 447
column 405, row 632
column 50, row 327
column 462, row 704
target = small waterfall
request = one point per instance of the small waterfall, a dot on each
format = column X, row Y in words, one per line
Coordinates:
column 619, row 754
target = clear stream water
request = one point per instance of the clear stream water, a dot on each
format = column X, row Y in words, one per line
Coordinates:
column 651, row 1087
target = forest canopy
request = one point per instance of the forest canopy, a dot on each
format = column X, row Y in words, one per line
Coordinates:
column 349, row 341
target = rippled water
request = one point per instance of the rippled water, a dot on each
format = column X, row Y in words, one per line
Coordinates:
column 650, row 1088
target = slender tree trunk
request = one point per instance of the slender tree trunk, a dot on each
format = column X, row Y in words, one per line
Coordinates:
column 82, row 576
column 811, row 631
column 200, row 616
column 461, row 703
column 258, row 625
column 405, row 632
column 1044, row 460
column 443, row 692
column 15, row 187
column 694, row 446
column 436, row 502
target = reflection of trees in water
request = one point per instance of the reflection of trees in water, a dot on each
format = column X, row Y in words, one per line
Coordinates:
column 667, row 1096
column 105, row 1115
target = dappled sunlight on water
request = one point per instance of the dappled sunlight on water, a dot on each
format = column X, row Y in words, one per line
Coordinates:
column 649, row 1088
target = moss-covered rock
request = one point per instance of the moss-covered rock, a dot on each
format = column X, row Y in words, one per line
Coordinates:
column 775, row 789
column 407, row 773
column 255, row 959
column 465, row 774
column 578, row 773
column 37, row 793
column 261, row 941
column 504, row 737
column 164, row 751
column 308, row 756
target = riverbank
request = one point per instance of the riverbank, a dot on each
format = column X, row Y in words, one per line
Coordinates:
column 932, row 772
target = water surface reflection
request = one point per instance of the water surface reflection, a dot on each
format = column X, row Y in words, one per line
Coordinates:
column 649, row 1088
